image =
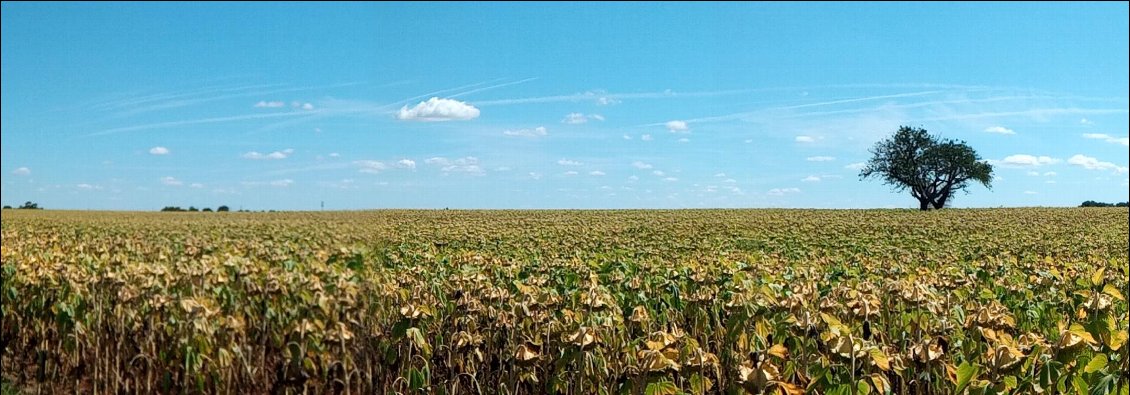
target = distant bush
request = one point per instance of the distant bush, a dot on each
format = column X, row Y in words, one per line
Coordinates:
column 30, row 206
column 222, row 209
column 172, row 208
column 207, row 210
column 1092, row 203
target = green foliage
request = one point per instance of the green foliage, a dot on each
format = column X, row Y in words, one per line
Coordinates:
column 932, row 169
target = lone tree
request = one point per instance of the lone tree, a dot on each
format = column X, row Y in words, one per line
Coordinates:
column 932, row 168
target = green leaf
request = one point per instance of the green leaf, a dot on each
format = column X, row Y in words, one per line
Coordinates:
column 863, row 386
column 661, row 388
column 1097, row 363
column 415, row 379
column 1081, row 387
column 965, row 372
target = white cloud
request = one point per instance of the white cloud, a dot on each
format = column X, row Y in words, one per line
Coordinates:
column 159, row 151
column 502, row 168
column 677, row 127
column 436, row 109
column 570, row 173
column 820, row 158
column 1030, row 193
column 1124, row 141
column 627, row 137
column 999, row 130
column 1050, row 174
column 855, row 166
column 170, row 181
column 269, row 104
column 469, row 165
column 596, row 173
column 406, row 164
column 334, row 154
column 783, row 191
column 535, row 132
column 634, row 178
column 811, row 179
column 536, row 176
column 576, row 118
column 568, row 162
column 196, row 185
column 1090, row 163
column 805, row 139
column 87, row 186
column 282, row 183
column 670, row 179
column 659, row 173
column 684, row 140
column 370, row 166
column 1049, row 182
column 719, row 174
column 22, row 171
column 1033, row 173
column 274, row 155
column 646, row 137
column 730, row 181
column 606, row 101
column 1024, row 160
column 747, row 141
column 1086, row 121
column 307, row 106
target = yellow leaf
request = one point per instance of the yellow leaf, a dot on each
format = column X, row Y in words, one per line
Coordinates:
column 1097, row 277
column 778, row 350
column 880, row 359
column 1113, row 291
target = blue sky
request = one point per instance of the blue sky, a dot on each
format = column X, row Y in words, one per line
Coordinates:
column 378, row 105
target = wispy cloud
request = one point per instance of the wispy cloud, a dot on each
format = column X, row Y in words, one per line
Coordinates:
column 22, row 171
column 270, row 104
column 1091, row 163
column 576, row 118
column 568, row 162
column 597, row 173
column 170, row 124
column 820, row 158
column 641, row 165
column 370, row 166
column 855, row 166
column 1124, row 141
column 158, row 151
column 805, row 139
column 539, row 131
column 999, row 130
column 406, row 164
column 437, row 110
column 783, row 191
column 171, row 181
column 271, row 156
column 467, row 165
column 811, row 179
column 646, row 137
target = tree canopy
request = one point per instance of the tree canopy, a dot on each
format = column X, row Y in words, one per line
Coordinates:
column 930, row 167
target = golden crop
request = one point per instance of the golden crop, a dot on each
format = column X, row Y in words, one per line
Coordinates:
column 575, row 302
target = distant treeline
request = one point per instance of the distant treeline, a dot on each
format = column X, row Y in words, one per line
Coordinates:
column 1092, row 203
column 26, row 206
column 194, row 209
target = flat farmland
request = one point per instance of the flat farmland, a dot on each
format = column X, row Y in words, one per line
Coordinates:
column 577, row 302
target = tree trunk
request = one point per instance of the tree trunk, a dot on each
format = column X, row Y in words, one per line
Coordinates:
column 940, row 202
column 923, row 204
